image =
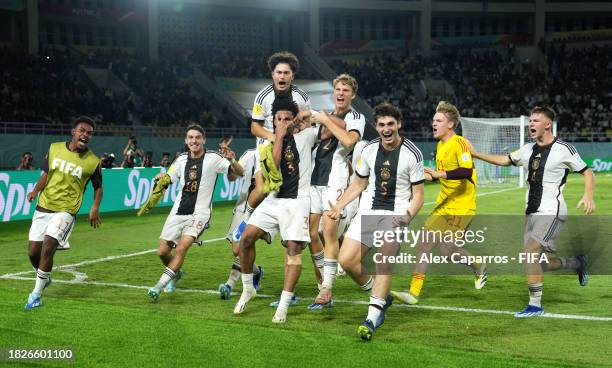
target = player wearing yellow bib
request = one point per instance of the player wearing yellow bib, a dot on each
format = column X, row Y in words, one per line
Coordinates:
column 69, row 166
column 456, row 202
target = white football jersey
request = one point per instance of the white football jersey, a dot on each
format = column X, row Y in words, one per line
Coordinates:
column 331, row 157
column 391, row 175
column 197, row 178
column 355, row 156
column 546, row 169
column 262, row 106
column 296, row 163
column 247, row 161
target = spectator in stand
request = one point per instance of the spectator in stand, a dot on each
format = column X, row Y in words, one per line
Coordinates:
column 148, row 159
column 165, row 161
column 132, row 155
column 108, row 160
column 26, row 162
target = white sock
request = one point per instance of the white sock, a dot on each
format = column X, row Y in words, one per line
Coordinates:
column 330, row 267
column 41, row 280
column 285, row 299
column 375, row 308
column 233, row 277
column 165, row 278
column 318, row 259
column 248, row 213
column 368, row 285
column 535, row 294
column 247, row 282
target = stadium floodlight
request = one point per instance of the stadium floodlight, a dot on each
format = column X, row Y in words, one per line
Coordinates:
column 498, row 136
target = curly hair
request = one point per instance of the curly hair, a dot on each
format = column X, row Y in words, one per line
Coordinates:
column 285, row 57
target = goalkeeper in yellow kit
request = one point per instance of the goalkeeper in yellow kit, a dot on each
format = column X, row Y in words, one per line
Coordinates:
column 456, row 202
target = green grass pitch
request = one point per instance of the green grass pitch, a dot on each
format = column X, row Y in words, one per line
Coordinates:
column 109, row 321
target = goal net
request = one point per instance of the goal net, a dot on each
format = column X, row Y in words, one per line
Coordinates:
column 500, row 137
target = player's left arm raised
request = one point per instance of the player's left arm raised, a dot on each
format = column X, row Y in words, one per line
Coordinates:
column 94, row 212
column 587, row 200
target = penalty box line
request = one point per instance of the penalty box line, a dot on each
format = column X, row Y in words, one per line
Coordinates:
column 104, row 259
column 351, row 302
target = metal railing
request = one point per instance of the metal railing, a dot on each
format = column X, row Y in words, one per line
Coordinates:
column 119, row 130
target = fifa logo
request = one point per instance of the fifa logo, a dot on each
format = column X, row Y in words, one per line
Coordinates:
column 67, row 167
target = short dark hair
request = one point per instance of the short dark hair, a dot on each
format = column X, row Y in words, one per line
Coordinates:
column 387, row 109
column 27, row 153
column 284, row 104
column 284, row 57
column 85, row 120
column 197, row 127
column 166, row 154
column 546, row 110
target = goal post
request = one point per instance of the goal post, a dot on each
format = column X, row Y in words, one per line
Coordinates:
column 498, row 136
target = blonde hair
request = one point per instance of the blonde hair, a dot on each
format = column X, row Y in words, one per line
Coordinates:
column 451, row 112
column 348, row 80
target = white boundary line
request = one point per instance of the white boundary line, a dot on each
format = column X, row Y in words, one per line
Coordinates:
column 351, row 302
column 483, row 194
column 112, row 258
column 17, row 276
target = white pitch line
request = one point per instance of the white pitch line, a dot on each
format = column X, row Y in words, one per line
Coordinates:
column 352, row 302
column 112, row 258
column 484, row 194
column 105, row 259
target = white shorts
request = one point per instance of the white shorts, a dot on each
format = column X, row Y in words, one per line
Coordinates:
column 236, row 220
column 260, row 142
column 321, row 196
column 57, row 225
column 362, row 230
column 351, row 210
column 177, row 226
column 544, row 229
column 289, row 216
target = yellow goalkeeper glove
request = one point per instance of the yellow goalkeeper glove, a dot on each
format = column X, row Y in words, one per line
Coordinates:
column 156, row 195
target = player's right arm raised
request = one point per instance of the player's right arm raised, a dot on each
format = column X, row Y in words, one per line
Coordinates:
column 499, row 160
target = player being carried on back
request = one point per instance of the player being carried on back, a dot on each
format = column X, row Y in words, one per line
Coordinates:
column 547, row 163
column 456, row 202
